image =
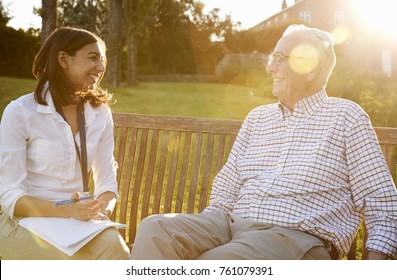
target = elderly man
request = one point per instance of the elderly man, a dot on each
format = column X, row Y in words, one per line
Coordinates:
column 301, row 176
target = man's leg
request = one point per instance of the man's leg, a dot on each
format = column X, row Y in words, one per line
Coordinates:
column 180, row 236
column 251, row 240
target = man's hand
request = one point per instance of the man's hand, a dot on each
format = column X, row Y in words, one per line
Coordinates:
column 372, row 255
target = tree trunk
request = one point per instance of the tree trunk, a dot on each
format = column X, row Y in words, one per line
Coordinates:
column 113, row 42
column 132, row 75
column 49, row 17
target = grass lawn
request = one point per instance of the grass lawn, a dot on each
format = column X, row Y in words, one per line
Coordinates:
column 185, row 99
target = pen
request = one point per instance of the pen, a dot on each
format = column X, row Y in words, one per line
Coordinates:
column 64, row 202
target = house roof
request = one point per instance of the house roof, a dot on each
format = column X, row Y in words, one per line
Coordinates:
column 297, row 3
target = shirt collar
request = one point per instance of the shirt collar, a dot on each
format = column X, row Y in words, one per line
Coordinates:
column 307, row 106
column 283, row 110
column 89, row 111
column 310, row 104
column 50, row 107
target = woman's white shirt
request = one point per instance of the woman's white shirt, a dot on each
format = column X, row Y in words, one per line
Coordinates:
column 38, row 156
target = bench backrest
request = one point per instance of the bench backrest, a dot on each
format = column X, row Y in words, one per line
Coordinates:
column 167, row 163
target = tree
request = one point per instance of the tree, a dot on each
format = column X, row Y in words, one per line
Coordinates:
column 156, row 36
column 113, row 76
column 178, row 40
column 137, row 14
column 17, row 51
column 263, row 41
column 91, row 15
column 49, row 15
column 4, row 17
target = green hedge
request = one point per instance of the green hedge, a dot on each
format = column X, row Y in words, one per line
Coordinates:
column 17, row 51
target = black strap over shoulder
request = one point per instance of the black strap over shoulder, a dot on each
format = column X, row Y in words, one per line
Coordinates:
column 82, row 156
column 83, row 145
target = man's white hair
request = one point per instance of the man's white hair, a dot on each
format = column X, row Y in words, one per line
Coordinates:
column 322, row 41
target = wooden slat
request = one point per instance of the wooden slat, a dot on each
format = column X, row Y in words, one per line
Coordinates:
column 124, row 173
column 388, row 155
column 183, row 173
column 121, row 136
column 173, row 123
column 150, row 174
column 136, row 191
column 195, row 173
column 161, row 171
column 221, row 152
column 173, row 165
column 205, row 185
column 351, row 255
column 386, row 135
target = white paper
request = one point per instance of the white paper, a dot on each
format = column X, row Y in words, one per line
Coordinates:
column 68, row 235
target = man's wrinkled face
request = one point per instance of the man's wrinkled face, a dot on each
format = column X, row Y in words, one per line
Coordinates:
column 290, row 64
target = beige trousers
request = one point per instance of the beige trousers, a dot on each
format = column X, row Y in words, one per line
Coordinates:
column 219, row 235
column 18, row 243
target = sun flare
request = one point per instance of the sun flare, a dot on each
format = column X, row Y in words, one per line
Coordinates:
column 303, row 59
column 378, row 15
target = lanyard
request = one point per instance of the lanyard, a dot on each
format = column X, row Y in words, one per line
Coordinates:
column 82, row 156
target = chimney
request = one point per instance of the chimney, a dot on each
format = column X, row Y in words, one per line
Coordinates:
column 284, row 5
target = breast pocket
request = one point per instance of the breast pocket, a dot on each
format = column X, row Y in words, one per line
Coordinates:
column 46, row 157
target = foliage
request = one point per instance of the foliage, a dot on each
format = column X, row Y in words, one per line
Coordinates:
column 375, row 94
column 251, row 40
column 160, row 36
column 137, row 15
column 247, row 70
column 179, row 39
column 88, row 14
column 17, row 51
column 4, row 16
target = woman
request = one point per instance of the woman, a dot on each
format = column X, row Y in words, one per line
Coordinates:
column 45, row 152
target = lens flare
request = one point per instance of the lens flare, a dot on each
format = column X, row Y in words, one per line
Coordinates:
column 340, row 35
column 303, row 59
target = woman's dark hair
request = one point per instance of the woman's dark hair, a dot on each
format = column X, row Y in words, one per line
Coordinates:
column 46, row 68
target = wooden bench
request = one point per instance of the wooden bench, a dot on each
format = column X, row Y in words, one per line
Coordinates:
column 167, row 164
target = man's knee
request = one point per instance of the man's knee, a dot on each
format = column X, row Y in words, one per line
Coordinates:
column 149, row 224
column 317, row 253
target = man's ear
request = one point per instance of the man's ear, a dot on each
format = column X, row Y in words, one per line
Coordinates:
column 314, row 73
column 63, row 59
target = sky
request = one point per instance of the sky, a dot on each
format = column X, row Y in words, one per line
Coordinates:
column 248, row 12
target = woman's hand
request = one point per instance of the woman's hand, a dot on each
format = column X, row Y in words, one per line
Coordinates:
column 84, row 210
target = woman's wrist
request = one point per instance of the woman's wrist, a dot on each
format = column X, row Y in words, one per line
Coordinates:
column 106, row 212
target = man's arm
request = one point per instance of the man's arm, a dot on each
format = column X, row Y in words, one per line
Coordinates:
column 373, row 189
column 227, row 183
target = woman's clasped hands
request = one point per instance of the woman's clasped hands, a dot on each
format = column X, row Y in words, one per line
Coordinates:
column 85, row 210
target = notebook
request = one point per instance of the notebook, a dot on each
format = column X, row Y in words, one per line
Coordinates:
column 66, row 234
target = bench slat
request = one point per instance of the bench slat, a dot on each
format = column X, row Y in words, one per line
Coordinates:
column 195, row 173
column 180, row 197
column 173, row 166
column 150, row 174
column 172, row 123
column 205, row 185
